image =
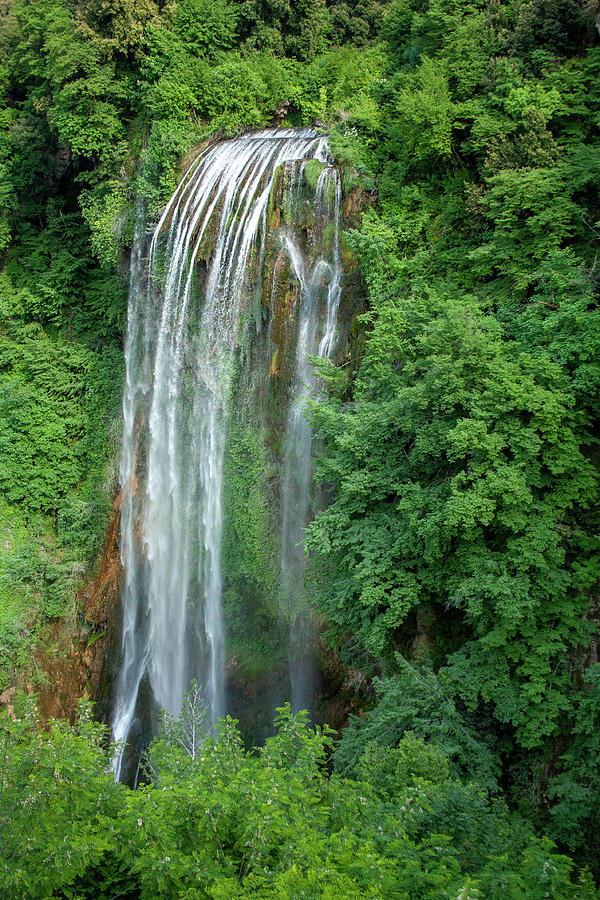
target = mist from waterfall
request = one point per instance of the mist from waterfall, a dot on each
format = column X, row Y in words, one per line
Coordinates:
column 187, row 307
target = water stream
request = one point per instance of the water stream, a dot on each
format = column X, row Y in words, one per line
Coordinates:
column 317, row 274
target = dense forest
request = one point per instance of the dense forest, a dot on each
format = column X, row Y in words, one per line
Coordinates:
column 454, row 568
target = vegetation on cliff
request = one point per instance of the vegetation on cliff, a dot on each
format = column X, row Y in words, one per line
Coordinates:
column 456, row 565
column 463, row 456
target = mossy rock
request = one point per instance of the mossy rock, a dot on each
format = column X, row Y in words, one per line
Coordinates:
column 312, row 170
column 251, row 662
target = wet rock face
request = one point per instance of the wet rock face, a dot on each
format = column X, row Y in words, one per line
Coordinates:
column 283, row 300
column 355, row 202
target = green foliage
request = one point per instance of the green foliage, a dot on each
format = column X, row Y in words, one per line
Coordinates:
column 50, row 388
column 41, row 417
column 343, row 81
column 206, row 26
column 413, row 707
column 575, row 814
column 355, row 21
column 8, row 197
column 56, row 799
column 225, row 822
column 553, row 27
column 57, row 399
column 18, row 584
column 62, row 63
column 189, row 731
column 39, row 577
column 462, row 460
column 457, row 469
column 296, row 29
column 392, row 770
column 251, row 552
column 425, row 114
column 107, row 211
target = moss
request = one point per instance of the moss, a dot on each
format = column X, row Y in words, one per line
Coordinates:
column 96, row 637
column 275, row 198
column 283, row 299
column 249, row 548
column 312, row 170
column 349, row 259
column 256, row 643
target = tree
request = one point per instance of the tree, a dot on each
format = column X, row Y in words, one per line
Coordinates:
column 190, row 729
column 458, row 481
column 56, row 796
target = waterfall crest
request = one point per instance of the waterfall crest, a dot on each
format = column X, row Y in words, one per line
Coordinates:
column 188, row 318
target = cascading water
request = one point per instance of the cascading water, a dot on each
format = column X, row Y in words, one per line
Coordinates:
column 188, row 312
column 323, row 276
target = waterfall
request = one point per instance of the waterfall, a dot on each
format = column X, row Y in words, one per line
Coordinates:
column 323, row 276
column 187, row 320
